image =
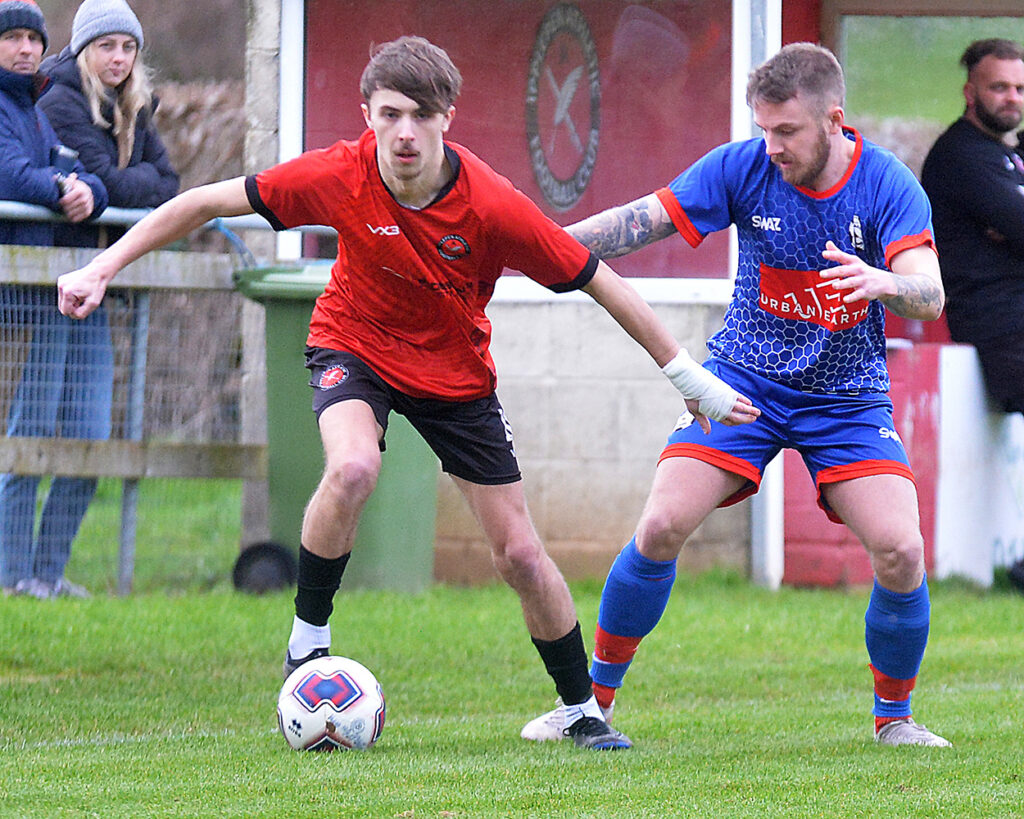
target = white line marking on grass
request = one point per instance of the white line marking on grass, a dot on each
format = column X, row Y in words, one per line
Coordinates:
column 123, row 739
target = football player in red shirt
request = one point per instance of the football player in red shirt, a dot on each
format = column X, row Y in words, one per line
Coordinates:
column 425, row 229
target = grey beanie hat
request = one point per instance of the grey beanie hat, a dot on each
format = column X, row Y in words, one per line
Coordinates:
column 96, row 18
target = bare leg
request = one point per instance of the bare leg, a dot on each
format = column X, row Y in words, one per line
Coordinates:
column 520, row 559
column 351, row 438
column 881, row 510
column 685, row 491
column 547, row 607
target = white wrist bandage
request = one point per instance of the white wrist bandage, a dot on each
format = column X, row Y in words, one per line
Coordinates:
column 715, row 398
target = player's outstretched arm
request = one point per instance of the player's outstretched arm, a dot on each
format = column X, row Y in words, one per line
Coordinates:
column 709, row 395
column 81, row 291
column 625, row 228
column 913, row 289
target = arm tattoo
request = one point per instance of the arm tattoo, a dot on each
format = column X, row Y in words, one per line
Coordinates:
column 918, row 296
column 621, row 230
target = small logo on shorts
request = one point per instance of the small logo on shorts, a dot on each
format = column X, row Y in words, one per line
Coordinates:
column 332, row 377
column 890, row 434
column 683, row 421
column 508, row 430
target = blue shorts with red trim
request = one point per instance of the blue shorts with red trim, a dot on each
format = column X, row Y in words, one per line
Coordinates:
column 839, row 437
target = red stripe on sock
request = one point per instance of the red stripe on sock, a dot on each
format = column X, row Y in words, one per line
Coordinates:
column 889, row 688
column 604, row 695
column 880, row 721
column 611, row 648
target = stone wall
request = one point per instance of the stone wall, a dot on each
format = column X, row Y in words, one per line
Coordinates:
column 590, row 412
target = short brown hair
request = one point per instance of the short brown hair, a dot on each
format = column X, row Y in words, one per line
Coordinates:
column 415, row 67
column 798, row 68
column 995, row 47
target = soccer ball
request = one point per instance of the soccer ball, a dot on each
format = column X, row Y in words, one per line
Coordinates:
column 331, row 703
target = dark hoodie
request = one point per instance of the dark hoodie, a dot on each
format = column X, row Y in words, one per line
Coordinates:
column 147, row 181
column 25, row 171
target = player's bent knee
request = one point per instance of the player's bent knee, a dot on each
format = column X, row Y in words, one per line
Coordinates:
column 661, row 535
column 351, row 479
column 520, row 563
column 896, row 563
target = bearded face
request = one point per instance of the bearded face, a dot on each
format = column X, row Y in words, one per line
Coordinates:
column 995, row 94
column 797, row 140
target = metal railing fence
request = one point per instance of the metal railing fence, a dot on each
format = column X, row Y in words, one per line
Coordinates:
column 151, row 389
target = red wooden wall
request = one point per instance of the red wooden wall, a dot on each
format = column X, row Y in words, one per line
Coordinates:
column 653, row 82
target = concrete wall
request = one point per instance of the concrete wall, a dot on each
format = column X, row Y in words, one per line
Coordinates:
column 590, row 412
column 262, row 102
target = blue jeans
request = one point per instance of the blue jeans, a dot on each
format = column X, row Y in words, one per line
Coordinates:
column 66, row 390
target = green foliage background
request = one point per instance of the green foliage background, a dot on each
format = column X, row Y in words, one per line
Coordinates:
column 909, row 67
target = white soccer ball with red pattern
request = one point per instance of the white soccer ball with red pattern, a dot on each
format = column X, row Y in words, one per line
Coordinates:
column 331, row 703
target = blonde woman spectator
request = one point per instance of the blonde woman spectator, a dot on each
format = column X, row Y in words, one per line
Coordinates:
column 101, row 104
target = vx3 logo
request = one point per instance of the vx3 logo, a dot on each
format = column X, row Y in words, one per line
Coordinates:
column 384, row 230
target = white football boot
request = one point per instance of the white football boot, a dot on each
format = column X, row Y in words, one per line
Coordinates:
column 551, row 726
column 908, row 732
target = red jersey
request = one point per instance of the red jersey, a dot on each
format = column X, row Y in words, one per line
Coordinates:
column 408, row 290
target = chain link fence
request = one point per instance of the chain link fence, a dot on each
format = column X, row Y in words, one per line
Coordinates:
column 149, row 385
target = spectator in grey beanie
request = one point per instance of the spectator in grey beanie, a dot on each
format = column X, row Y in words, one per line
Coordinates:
column 95, row 18
column 101, row 104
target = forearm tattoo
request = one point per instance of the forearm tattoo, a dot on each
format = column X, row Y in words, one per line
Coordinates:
column 918, row 297
column 621, row 230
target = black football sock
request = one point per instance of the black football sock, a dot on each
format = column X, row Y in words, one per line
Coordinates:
column 566, row 661
column 319, row 578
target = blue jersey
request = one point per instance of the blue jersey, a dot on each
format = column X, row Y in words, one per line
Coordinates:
column 784, row 322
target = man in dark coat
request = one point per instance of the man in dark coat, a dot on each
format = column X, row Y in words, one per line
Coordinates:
column 26, row 138
column 67, row 375
column 975, row 178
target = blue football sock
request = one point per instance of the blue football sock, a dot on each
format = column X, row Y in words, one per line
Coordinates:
column 634, row 598
column 896, row 632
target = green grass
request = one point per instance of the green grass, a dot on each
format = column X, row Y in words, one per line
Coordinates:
column 743, row 702
column 188, row 535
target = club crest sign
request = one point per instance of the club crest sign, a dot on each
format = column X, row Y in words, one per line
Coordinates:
column 563, row 106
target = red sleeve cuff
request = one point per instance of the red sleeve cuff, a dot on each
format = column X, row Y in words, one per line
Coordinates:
column 679, row 217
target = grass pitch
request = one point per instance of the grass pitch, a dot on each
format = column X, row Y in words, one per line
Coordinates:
column 743, row 702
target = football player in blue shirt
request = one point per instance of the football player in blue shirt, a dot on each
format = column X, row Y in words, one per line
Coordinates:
column 832, row 231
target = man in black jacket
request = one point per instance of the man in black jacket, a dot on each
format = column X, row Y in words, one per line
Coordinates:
column 974, row 177
column 68, row 372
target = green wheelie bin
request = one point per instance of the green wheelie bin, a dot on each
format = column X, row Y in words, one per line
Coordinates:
column 394, row 546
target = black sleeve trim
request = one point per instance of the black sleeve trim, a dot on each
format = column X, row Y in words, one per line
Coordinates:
column 582, row 280
column 252, row 192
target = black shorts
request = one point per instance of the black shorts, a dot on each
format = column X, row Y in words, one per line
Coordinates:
column 473, row 439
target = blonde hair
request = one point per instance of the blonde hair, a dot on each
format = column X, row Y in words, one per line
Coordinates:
column 133, row 96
